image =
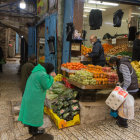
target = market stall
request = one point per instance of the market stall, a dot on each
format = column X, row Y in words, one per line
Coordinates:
column 78, row 73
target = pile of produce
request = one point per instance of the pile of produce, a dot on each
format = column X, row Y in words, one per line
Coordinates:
column 63, row 101
column 83, row 77
column 107, row 47
column 95, row 75
column 136, row 66
column 58, row 78
column 85, row 50
column 74, row 66
column 125, row 54
column 103, row 75
column 112, row 77
column 118, row 49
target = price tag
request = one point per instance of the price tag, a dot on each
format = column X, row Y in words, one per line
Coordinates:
column 75, row 47
column 114, row 41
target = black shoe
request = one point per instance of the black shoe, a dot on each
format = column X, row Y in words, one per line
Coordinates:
column 122, row 125
column 38, row 132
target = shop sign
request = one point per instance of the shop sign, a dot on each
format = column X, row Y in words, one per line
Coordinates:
column 42, row 7
column 75, row 47
column 42, row 40
column 114, row 41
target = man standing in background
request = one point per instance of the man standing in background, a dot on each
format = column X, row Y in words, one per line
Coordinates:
column 97, row 53
column 26, row 71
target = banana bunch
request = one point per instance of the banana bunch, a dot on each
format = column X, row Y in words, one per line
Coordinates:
column 58, row 78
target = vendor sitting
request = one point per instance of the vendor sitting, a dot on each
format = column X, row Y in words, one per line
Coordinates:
column 97, row 53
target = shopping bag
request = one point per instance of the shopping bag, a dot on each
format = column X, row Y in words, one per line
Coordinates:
column 126, row 110
column 116, row 98
column 2, row 61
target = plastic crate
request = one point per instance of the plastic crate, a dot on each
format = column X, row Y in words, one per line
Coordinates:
column 60, row 123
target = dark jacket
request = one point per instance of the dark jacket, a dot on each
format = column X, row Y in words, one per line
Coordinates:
column 136, row 50
column 97, row 54
column 127, row 73
column 1, row 53
column 132, row 33
column 25, row 73
column 117, row 19
column 95, row 19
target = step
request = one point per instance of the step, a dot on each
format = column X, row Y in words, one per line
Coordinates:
column 98, row 111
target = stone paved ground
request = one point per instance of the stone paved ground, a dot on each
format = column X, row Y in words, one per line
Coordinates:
column 13, row 130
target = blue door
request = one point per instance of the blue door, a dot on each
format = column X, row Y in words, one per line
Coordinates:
column 68, row 17
column 50, row 30
column 31, row 41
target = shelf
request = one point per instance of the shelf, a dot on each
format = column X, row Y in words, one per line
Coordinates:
column 90, row 86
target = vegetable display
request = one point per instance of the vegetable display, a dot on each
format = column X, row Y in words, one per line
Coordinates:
column 62, row 101
column 74, row 66
column 125, row 53
column 118, row 49
column 83, row 77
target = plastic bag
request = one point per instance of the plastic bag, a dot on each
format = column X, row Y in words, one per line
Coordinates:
column 116, row 98
column 127, row 108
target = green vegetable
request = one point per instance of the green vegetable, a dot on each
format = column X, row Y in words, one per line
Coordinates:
column 75, row 113
column 57, row 85
column 58, row 90
column 60, row 105
column 61, row 112
column 75, row 93
column 125, row 54
column 68, row 91
column 66, row 104
column 65, row 116
column 75, row 108
column 51, row 95
column 73, row 102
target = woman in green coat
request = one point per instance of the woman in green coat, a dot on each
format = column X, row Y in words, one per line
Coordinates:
column 32, row 106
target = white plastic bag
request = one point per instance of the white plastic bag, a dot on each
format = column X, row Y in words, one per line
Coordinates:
column 126, row 110
column 116, row 98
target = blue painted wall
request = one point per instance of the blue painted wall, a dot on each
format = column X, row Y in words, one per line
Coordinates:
column 68, row 17
column 51, row 24
column 31, row 41
column 17, row 44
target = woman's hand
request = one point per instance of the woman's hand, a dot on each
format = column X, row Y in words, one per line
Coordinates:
column 53, row 74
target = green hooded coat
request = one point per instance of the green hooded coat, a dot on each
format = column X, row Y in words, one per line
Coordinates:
column 32, row 106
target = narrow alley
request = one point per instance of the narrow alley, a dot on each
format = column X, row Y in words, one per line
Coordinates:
column 10, row 129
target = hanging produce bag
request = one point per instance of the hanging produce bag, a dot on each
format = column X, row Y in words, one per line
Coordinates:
column 116, row 98
column 126, row 110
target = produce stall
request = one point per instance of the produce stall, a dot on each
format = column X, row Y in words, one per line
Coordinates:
column 88, row 79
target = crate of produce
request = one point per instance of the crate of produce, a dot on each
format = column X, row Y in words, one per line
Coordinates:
column 60, row 123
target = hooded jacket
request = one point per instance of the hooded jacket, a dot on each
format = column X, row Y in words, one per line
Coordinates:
column 97, row 54
column 136, row 50
column 117, row 19
column 95, row 19
column 32, row 106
